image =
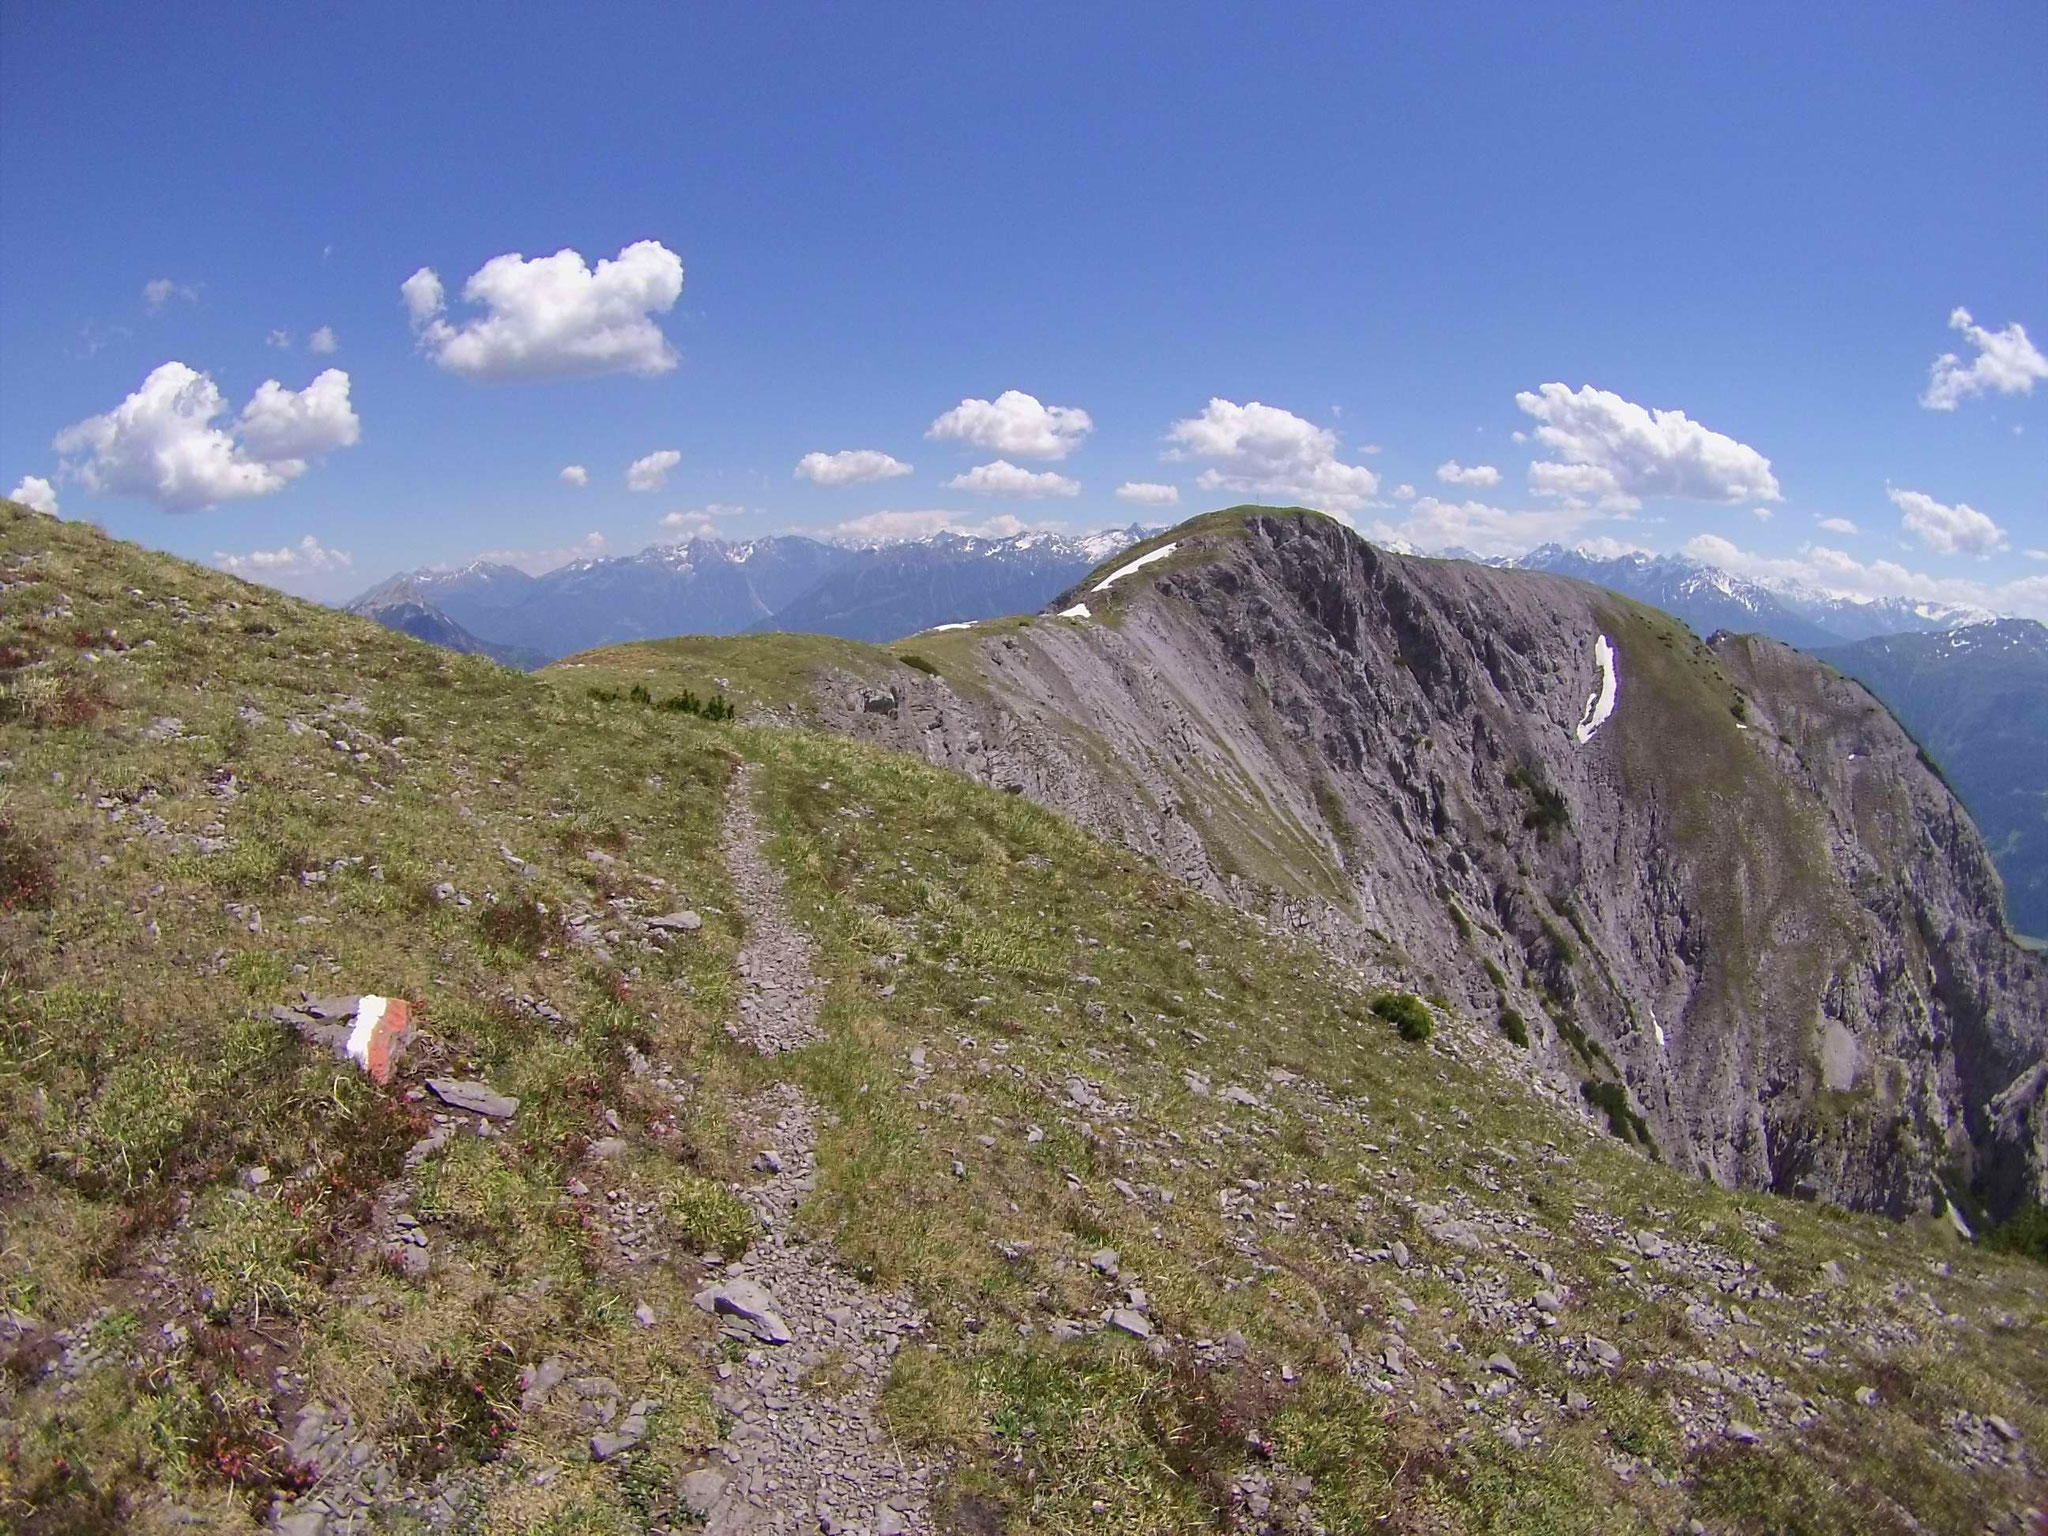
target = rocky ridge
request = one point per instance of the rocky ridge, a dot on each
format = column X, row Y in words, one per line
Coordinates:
column 1745, row 901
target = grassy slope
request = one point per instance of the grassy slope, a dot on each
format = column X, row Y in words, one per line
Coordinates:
column 134, row 1084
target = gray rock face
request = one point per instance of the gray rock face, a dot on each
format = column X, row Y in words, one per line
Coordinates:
column 1751, row 904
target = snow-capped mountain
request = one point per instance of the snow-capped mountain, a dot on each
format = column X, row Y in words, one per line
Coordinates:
column 1709, row 598
column 714, row 586
column 889, row 590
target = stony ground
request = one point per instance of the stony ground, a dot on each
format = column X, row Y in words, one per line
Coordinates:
column 808, row 1347
column 779, row 1004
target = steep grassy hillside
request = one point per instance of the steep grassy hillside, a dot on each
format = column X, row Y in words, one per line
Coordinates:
column 1359, row 1281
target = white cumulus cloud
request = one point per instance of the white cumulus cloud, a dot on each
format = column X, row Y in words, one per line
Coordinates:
column 1839, row 525
column 161, row 442
column 308, row 557
column 849, row 466
column 575, row 474
column 553, row 316
column 2007, row 363
column 1015, row 423
column 1148, row 493
column 282, row 340
column 281, row 425
column 1612, row 452
column 1404, row 492
column 1261, row 450
column 650, row 472
column 423, row 295
column 1002, row 478
column 324, row 341
column 1956, row 530
column 35, row 491
column 699, row 522
column 1451, row 472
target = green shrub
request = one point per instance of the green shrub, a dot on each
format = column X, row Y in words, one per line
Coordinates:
column 717, row 707
column 1407, row 1013
column 2025, row 1233
column 1514, row 1026
column 1622, row 1121
column 1547, row 811
column 919, row 663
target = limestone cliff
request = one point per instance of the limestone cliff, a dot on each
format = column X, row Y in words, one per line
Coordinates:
column 1744, row 894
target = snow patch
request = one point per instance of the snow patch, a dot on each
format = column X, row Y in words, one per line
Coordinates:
column 369, row 1014
column 1143, row 560
column 961, row 624
column 1601, row 704
column 1078, row 611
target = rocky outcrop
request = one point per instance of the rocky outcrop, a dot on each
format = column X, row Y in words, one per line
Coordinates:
column 1743, row 911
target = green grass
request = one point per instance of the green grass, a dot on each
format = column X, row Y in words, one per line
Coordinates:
column 140, row 1077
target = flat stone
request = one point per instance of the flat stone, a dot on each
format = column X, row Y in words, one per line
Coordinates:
column 1400, row 1253
column 1546, row 1301
column 537, row 1381
column 605, row 1147
column 676, row 922
column 478, row 1098
column 1741, row 1433
column 1103, row 1261
column 702, row 1490
column 1133, row 1323
column 1501, row 1365
column 1602, row 1351
column 2003, row 1428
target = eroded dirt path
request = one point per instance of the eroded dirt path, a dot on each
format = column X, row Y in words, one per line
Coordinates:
column 807, row 1346
column 779, row 997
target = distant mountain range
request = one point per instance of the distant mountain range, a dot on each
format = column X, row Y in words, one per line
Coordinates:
column 396, row 604
column 717, row 587
column 1709, row 599
column 1976, row 699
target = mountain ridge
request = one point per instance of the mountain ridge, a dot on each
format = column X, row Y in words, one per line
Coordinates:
column 1221, row 717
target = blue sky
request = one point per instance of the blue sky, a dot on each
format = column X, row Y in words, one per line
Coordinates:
column 1389, row 229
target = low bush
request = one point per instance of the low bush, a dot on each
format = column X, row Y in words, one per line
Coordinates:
column 1514, row 1026
column 1407, row 1013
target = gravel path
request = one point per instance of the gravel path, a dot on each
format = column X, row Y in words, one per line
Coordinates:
column 779, row 1003
column 806, row 1452
column 807, row 1346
